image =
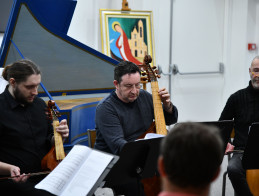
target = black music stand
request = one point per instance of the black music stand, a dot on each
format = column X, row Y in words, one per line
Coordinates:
column 225, row 127
column 99, row 182
column 250, row 158
column 138, row 160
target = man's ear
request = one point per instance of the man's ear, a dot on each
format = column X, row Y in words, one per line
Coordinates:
column 115, row 82
column 12, row 82
column 161, row 166
column 250, row 71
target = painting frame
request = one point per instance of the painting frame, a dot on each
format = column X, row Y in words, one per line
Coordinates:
column 127, row 35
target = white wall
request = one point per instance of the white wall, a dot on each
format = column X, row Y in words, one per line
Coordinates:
column 197, row 47
column 204, row 33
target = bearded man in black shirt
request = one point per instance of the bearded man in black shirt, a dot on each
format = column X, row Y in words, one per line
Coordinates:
column 243, row 107
column 26, row 135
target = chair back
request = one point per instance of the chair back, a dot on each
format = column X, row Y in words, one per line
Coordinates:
column 232, row 135
column 91, row 133
column 252, row 177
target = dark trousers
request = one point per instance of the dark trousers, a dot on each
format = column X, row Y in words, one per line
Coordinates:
column 129, row 189
column 11, row 188
column 237, row 175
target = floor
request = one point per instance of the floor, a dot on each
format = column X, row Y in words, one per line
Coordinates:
column 216, row 187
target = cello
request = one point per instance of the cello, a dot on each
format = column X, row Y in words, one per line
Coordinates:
column 152, row 186
column 56, row 153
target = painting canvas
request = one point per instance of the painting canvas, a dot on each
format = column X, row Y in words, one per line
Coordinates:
column 127, row 35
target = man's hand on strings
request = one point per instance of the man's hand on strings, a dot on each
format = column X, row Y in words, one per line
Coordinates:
column 63, row 129
column 165, row 98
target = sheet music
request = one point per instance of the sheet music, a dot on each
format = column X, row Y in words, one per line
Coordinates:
column 77, row 173
column 153, row 135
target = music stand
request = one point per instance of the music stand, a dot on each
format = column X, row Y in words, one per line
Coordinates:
column 138, row 160
column 250, row 158
column 225, row 127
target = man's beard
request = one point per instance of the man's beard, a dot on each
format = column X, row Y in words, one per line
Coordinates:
column 19, row 97
column 255, row 83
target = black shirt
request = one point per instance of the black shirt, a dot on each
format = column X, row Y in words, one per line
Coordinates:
column 25, row 133
column 243, row 107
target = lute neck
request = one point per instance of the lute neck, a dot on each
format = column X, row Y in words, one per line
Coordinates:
column 59, row 148
column 158, row 110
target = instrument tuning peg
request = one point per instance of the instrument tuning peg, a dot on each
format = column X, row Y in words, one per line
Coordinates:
column 158, row 76
column 154, row 67
column 144, row 73
column 143, row 78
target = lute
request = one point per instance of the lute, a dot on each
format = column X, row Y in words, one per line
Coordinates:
column 152, row 186
column 150, row 74
column 56, row 153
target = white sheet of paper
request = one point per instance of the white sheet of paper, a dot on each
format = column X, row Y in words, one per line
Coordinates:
column 153, row 135
column 77, row 173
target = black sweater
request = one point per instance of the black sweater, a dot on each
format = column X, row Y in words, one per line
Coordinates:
column 118, row 123
column 243, row 107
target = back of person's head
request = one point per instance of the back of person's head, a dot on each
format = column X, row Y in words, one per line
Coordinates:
column 20, row 70
column 192, row 154
column 123, row 68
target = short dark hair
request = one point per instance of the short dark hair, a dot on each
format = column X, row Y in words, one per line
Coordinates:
column 20, row 70
column 192, row 154
column 125, row 67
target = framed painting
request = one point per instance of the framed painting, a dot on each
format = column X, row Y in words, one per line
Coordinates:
column 127, row 35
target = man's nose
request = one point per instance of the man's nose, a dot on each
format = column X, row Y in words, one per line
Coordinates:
column 35, row 91
column 134, row 89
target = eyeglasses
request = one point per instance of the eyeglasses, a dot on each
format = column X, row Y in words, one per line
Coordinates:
column 255, row 74
column 131, row 86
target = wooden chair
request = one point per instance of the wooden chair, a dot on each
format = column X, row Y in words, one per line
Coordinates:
column 91, row 133
column 252, row 177
column 251, row 159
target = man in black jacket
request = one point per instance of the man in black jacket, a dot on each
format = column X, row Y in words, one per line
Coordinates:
column 243, row 107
